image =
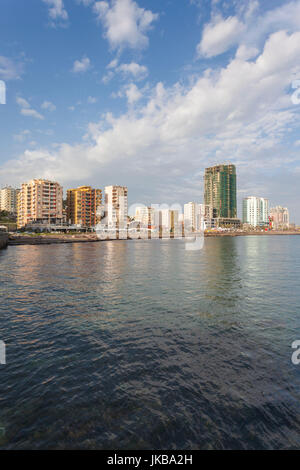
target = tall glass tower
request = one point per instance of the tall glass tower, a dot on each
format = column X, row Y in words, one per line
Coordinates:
column 220, row 191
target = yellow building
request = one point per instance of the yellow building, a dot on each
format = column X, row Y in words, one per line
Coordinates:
column 84, row 206
column 40, row 201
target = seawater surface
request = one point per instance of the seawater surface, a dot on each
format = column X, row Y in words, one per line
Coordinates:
column 145, row 345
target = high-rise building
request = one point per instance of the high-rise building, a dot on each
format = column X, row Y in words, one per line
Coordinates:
column 116, row 206
column 8, row 199
column 255, row 211
column 220, row 190
column 145, row 216
column 280, row 218
column 169, row 220
column 194, row 214
column 84, row 206
column 220, row 193
column 40, row 201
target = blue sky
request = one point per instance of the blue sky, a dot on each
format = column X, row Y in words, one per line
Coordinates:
column 148, row 93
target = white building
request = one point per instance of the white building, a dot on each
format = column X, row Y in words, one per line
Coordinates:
column 169, row 220
column 256, row 211
column 8, row 199
column 280, row 217
column 194, row 214
column 116, row 206
column 145, row 216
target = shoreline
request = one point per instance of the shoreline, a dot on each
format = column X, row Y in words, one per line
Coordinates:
column 88, row 238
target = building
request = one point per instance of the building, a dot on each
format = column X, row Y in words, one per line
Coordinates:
column 41, row 202
column 280, row 218
column 220, row 194
column 9, row 199
column 256, row 211
column 169, row 220
column 84, row 206
column 145, row 216
column 116, row 206
column 194, row 214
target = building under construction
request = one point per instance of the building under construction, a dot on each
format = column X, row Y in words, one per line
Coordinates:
column 220, row 194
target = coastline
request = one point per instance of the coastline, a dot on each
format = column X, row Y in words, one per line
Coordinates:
column 49, row 239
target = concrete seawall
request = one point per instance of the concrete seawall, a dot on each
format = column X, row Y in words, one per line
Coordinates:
column 3, row 239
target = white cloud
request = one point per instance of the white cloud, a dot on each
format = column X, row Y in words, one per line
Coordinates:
column 247, row 29
column 56, row 11
column 47, row 105
column 246, row 53
column 125, row 23
column 134, row 70
column 133, row 93
column 22, row 102
column 32, row 113
column 26, row 109
column 10, row 70
column 81, row 66
column 139, row 72
column 220, row 35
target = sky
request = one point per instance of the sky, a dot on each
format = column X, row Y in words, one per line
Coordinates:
column 148, row 93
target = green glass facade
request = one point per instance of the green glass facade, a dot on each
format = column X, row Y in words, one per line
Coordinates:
column 220, row 190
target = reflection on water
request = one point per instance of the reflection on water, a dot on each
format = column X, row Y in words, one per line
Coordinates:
column 142, row 344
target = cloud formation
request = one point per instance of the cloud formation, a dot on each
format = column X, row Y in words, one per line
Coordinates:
column 57, row 12
column 9, row 69
column 48, row 106
column 26, row 109
column 81, row 66
column 247, row 27
column 125, row 23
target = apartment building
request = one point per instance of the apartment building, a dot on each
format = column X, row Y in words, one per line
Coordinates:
column 116, row 206
column 9, row 199
column 255, row 211
column 169, row 220
column 40, row 201
column 280, row 218
column 84, row 206
column 194, row 214
column 145, row 216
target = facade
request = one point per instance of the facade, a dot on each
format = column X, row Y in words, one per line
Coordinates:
column 194, row 214
column 220, row 191
column 116, row 206
column 84, row 206
column 256, row 211
column 169, row 220
column 40, row 201
column 145, row 216
column 9, row 199
column 280, row 218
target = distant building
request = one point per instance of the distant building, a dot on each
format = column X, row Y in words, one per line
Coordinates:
column 145, row 216
column 116, row 206
column 194, row 214
column 84, row 206
column 220, row 194
column 280, row 218
column 255, row 211
column 9, row 199
column 40, row 201
column 169, row 220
